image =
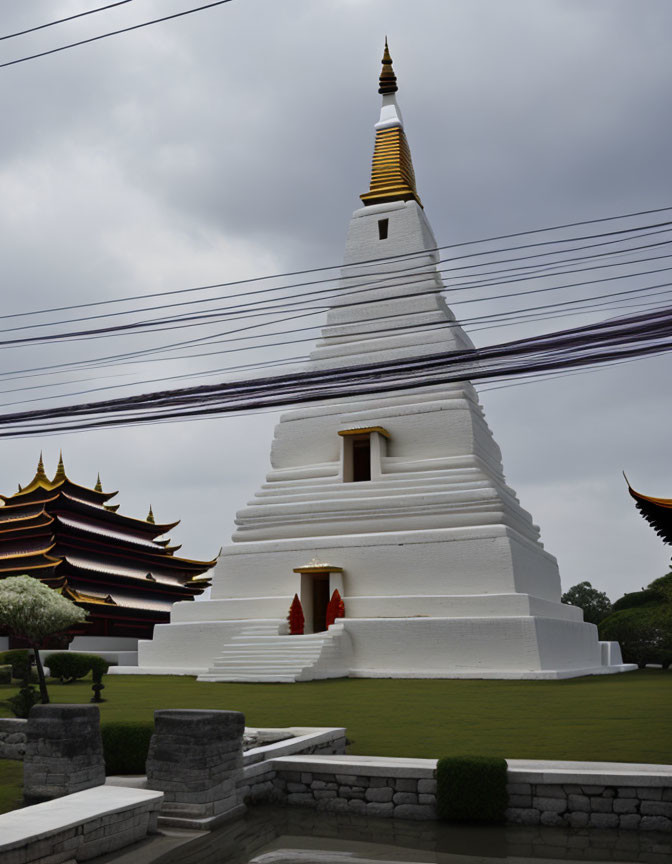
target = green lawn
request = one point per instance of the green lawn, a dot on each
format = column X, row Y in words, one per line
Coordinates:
column 619, row 718
column 11, row 781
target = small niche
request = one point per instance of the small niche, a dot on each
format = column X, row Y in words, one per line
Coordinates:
column 361, row 459
column 383, row 225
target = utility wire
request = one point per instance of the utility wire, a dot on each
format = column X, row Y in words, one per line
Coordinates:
column 385, row 258
column 382, row 278
column 632, row 336
column 63, row 20
column 112, row 33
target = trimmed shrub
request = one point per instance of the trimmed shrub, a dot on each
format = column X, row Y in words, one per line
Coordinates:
column 471, row 789
column 69, row 666
column 296, row 618
column 99, row 667
column 21, row 703
column 19, row 660
column 5, row 674
column 125, row 746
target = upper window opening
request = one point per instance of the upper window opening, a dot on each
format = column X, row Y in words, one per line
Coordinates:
column 383, row 225
column 361, row 459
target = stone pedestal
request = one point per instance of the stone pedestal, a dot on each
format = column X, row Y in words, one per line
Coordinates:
column 64, row 751
column 196, row 759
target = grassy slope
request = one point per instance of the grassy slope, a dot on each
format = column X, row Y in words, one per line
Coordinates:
column 11, row 780
column 619, row 718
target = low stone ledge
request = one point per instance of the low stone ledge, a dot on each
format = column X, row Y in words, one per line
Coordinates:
column 406, row 789
column 78, row 826
column 13, row 737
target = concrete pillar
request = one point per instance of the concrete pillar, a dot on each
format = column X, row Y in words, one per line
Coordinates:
column 196, row 759
column 64, row 751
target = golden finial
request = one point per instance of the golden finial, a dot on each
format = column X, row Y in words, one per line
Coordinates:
column 150, row 516
column 40, row 473
column 99, row 486
column 60, row 470
column 387, row 83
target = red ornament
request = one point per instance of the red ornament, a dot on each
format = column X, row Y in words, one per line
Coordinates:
column 336, row 608
column 296, row 618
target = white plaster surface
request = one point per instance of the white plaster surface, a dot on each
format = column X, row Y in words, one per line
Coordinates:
column 444, row 572
column 70, row 811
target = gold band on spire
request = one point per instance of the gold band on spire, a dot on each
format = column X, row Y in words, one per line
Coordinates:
column 392, row 175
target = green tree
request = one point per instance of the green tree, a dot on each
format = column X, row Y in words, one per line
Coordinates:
column 30, row 610
column 595, row 604
column 642, row 622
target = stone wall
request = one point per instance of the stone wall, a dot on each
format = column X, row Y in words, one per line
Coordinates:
column 196, row 759
column 64, row 751
column 398, row 797
column 13, row 737
column 404, row 792
column 83, row 826
column 648, row 808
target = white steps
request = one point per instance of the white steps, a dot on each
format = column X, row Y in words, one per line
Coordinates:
column 260, row 653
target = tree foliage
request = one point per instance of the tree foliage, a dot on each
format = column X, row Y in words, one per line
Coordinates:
column 595, row 604
column 642, row 622
column 32, row 611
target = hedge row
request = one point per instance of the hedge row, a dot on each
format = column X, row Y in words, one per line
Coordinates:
column 70, row 666
column 125, row 746
column 471, row 789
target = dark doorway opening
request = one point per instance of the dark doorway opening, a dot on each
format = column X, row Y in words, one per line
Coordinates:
column 361, row 459
column 320, row 602
column 383, row 225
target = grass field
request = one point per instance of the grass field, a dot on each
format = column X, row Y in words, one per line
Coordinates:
column 618, row 718
column 11, row 781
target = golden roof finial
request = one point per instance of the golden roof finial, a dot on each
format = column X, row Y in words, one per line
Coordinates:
column 40, row 473
column 99, row 486
column 387, row 83
column 60, row 470
column 150, row 516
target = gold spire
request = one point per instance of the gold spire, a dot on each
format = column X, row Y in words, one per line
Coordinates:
column 392, row 175
column 40, row 474
column 387, row 83
column 99, row 486
column 150, row 516
column 60, row 470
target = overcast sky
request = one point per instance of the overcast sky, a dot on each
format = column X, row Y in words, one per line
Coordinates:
column 235, row 142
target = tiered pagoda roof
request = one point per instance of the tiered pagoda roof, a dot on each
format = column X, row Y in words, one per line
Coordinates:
column 656, row 511
column 117, row 567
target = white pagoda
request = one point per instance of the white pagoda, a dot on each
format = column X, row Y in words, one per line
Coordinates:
column 398, row 501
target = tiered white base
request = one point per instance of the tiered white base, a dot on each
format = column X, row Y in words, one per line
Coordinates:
column 521, row 646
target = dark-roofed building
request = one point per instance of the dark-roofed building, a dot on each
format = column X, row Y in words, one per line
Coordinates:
column 656, row 511
column 116, row 567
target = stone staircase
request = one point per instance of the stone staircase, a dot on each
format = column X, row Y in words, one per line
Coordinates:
column 260, row 653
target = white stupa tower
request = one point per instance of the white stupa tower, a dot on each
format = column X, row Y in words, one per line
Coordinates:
column 398, row 501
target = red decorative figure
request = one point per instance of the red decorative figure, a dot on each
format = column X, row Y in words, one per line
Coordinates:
column 296, row 618
column 336, row 608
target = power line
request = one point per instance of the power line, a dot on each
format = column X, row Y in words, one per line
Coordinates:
column 386, row 258
column 112, row 33
column 382, row 278
column 632, row 336
column 63, row 20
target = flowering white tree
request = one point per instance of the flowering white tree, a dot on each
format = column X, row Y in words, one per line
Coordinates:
column 33, row 611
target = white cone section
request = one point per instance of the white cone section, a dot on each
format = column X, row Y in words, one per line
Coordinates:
column 442, row 572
